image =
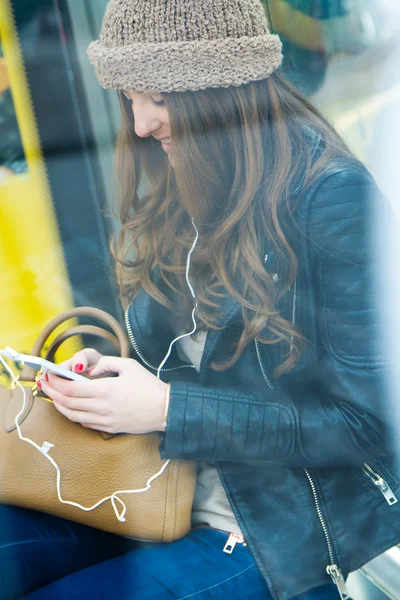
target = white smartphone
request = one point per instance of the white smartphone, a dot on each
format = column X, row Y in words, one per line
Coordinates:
column 41, row 364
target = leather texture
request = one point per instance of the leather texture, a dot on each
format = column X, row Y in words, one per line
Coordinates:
column 328, row 415
column 93, row 465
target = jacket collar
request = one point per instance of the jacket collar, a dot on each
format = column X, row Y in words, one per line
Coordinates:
column 152, row 325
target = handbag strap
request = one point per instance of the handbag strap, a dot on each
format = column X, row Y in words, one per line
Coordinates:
column 28, row 374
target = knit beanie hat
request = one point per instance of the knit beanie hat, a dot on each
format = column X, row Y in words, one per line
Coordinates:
column 179, row 45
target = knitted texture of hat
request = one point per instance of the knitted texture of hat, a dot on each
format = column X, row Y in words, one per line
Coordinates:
column 179, row 45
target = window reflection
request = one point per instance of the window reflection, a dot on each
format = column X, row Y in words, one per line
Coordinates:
column 12, row 156
column 342, row 54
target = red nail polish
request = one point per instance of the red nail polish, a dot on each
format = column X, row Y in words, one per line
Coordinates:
column 39, row 385
column 78, row 368
column 46, row 377
column 91, row 371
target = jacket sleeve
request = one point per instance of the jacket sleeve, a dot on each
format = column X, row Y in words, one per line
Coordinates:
column 342, row 419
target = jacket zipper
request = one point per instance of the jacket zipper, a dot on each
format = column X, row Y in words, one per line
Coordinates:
column 380, row 483
column 294, row 306
column 332, row 569
column 262, row 367
column 139, row 353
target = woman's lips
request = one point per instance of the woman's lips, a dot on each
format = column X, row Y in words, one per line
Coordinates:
column 166, row 147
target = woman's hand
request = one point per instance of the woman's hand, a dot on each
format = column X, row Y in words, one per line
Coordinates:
column 133, row 402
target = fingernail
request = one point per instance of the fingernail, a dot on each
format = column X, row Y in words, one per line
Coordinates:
column 38, row 383
column 46, row 377
column 91, row 371
column 78, row 368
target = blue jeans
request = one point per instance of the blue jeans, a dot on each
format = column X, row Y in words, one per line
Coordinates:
column 65, row 560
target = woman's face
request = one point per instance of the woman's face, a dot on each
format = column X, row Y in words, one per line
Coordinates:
column 151, row 118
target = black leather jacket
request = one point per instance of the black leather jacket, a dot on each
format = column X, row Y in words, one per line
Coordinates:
column 304, row 459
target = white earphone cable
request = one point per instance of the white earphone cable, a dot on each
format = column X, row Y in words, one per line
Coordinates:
column 194, row 309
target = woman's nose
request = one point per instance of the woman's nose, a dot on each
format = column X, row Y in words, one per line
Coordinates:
column 145, row 122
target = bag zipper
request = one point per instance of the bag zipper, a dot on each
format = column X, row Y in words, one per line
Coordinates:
column 139, row 353
column 380, row 483
column 332, row 569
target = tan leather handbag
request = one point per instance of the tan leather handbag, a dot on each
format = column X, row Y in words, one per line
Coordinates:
column 93, row 465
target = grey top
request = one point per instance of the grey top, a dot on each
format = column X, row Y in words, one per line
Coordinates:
column 211, row 504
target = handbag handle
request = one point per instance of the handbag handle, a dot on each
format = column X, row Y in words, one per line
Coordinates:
column 28, row 374
column 80, row 330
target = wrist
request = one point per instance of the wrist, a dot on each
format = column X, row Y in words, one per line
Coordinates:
column 160, row 415
column 166, row 406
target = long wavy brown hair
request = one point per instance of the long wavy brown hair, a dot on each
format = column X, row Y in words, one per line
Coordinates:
column 239, row 154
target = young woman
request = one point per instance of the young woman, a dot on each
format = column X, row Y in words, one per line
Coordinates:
column 277, row 393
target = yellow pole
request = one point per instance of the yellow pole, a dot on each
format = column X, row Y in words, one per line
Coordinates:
column 35, row 285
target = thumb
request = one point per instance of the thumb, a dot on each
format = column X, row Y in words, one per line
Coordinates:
column 107, row 364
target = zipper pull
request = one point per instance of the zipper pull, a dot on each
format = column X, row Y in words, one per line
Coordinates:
column 234, row 538
column 384, row 488
column 336, row 575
